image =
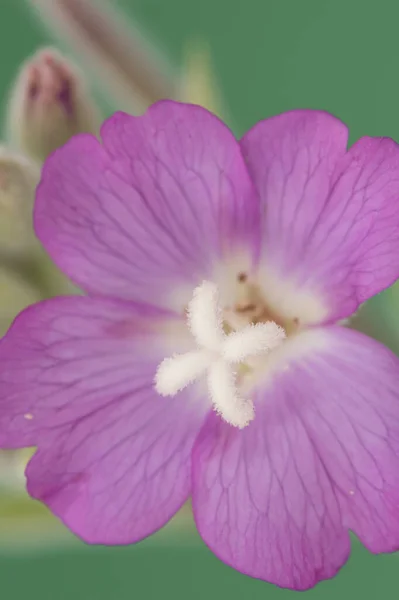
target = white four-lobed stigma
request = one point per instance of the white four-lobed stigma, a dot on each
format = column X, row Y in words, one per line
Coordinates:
column 217, row 356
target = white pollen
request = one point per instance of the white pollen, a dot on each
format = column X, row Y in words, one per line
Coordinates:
column 228, row 404
column 253, row 340
column 177, row 372
column 205, row 318
column 28, row 416
column 218, row 355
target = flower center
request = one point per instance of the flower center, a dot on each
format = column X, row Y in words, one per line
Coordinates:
column 224, row 346
column 250, row 307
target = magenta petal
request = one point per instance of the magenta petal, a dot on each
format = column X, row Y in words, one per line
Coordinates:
column 113, row 459
column 331, row 218
column 276, row 500
column 264, row 504
column 152, row 209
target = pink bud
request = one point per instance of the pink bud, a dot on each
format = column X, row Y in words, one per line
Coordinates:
column 49, row 104
column 128, row 67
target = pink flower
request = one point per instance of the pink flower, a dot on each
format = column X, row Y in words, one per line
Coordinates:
column 290, row 228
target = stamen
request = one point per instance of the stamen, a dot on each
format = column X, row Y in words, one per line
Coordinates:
column 218, row 354
column 205, row 318
column 245, row 309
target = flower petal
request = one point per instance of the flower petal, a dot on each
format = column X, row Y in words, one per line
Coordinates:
column 76, row 380
column 276, row 500
column 331, row 218
column 152, row 210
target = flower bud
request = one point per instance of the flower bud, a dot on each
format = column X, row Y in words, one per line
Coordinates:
column 26, row 272
column 198, row 82
column 128, row 67
column 18, row 179
column 49, row 104
column 15, row 294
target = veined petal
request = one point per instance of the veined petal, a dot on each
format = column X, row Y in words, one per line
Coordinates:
column 151, row 211
column 330, row 216
column 77, row 381
column 277, row 499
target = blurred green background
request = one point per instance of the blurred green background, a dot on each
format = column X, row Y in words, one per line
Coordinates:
column 269, row 56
